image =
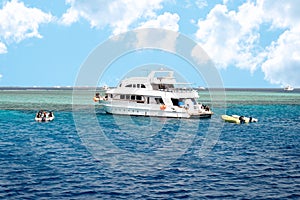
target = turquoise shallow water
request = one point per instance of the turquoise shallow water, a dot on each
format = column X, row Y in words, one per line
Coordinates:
column 149, row 158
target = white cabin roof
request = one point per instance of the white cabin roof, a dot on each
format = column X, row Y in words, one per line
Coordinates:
column 153, row 84
column 154, row 77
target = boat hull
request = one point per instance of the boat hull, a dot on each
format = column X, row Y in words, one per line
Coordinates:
column 42, row 119
column 153, row 111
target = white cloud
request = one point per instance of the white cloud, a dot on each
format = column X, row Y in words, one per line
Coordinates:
column 118, row 14
column 70, row 17
column 157, row 38
column 18, row 22
column 283, row 63
column 225, row 2
column 201, row 3
column 3, row 48
column 166, row 21
column 282, row 13
column 232, row 38
column 1, row 76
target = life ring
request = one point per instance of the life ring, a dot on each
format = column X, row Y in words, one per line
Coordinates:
column 163, row 107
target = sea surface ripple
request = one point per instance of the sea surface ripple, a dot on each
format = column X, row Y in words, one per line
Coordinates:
column 50, row 160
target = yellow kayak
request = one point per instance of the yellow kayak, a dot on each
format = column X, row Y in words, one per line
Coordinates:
column 230, row 119
column 238, row 119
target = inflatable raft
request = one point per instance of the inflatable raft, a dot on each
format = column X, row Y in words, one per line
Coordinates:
column 238, row 119
column 247, row 119
column 44, row 116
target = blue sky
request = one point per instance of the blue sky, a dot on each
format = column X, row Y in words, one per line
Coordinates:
column 252, row 43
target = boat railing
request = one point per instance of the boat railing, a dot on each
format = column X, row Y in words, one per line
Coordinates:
column 180, row 90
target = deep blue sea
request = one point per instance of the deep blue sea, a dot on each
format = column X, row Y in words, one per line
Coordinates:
column 92, row 155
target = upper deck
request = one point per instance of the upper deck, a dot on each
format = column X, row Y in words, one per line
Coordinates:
column 153, row 84
column 156, row 80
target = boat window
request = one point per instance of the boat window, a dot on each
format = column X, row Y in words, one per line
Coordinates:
column 127, row 96
column 175, row 102
column 122, row 96
column 159, row 100
column 154, row 86
column 134, row 85
column 194, row 101
column 120, row 85
column 143, row 86
column 138, row 85
column 132, row 97
column 130, row 85
column 138, row 98
column 161, row 86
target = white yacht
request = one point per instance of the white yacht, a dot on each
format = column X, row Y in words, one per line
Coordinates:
column 155, row 95
column 288, row 88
